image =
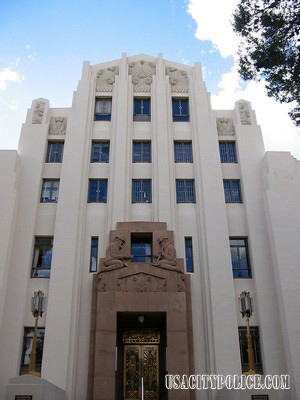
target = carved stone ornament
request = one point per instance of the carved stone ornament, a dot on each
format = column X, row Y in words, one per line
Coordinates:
column 180, row 283
column 106, row 78
column 115, row 259
column 178, row 80
column 244, row 113
column 141, row 283
column 144, row 336
column 38, row 112
column 142, row 72
column 58, row 126
column 225, row 126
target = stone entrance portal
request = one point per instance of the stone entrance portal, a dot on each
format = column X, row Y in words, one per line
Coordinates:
column 141, row 323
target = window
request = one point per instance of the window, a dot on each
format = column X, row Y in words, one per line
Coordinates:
column 141, row 109
column 141, row 247
column 232, row 191
column 42, row 257
column 244, row 348
column 100, row 152
column 94, row 254
column 227, row 152
column 185, row 191
column 97, row 191
column 103, row 109
column 55, row 152
column 180, row 109
column 141, row 191
column 189, row 254
column 141, row 152
column 183, row 152
column 50, row 191
column 27, row 348
column 240, row 258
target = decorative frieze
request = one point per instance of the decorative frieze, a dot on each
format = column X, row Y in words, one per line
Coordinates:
column 141, row 283
column 58, row 126
column 142, row 72
column 105, row 79
column 225, row 126
column 178, row 80
column 244, row 113
column 38, row 112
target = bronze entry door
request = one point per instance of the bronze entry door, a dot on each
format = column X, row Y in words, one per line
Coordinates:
column 141, row 366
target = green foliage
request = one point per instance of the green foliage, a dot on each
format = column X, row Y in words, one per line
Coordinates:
column 270, row 48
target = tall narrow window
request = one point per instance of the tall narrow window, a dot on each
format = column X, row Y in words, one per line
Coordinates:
column 183, row 152
column 27, row 349
column 240, row 258
column 55, row 152
column 180, row 108
column 232, row 191
column 189, row 254
column 103, row 109
column 50, row 191
column 141, row 191
column 141, row 152
column 94, row 254
column 227, row 152
column 244, row 349
column 100, row 152
column 141, row 109
column 42, row 257
column 97, row 191
column 185, row 191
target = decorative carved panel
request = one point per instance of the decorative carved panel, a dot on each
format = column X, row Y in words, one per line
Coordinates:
column 225, row 127
column 178, row 80
column 38, row 112
column 180, row 283
column 244, row 113
column 142, row 72
column 141, row 283
column 58, row 126
column 106, row 78
column 142, row 336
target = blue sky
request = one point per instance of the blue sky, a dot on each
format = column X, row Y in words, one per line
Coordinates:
column 43, row 45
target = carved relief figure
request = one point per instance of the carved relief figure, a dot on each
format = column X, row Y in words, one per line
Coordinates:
column 167, row 255
column 106, row 78
column 58, row 126
column 178, row 80
column 225, row 126
column 244, row 113
column 142, row 72
column 38, row 112
column 114, row 259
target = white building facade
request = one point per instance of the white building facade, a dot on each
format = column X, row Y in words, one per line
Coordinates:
column 141, row 145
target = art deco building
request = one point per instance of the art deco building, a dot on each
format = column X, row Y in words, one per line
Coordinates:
column 142, row 215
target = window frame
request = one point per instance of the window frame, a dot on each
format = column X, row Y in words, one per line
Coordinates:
column 102, row 116
column 232, row 196
column 186, row 194
column 243, row 342
column 52, row 181
column 141, row 116
column 98, row 190
column 57, row 155
column 227, row 159
column 180, row 116
column 142, row 191
column 43, row 248
column 186, row 156
column 144, row 239
column 142, row 151
column 38, row 366
column 101, row 143
column 238, row 246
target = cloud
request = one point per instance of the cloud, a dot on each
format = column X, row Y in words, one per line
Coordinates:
column 13, row 105
column 212, row 18
column 8, row 75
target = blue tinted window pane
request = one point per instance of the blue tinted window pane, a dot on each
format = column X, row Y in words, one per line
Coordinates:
column 227, row 191
column 102, row 198
column 94, row 254
column 93, row 190
column 141, row 250
column 175, row 106
column 137, row 152
column 141, row 191
column 147, row 152
column 100, row 152
column 184, row 107
column 223, row 153
column 235, row 187
column 55, row 152
column 137, row 106
column 239, row 258
column 146, row 107
column 189, row 255
column 231, row 152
